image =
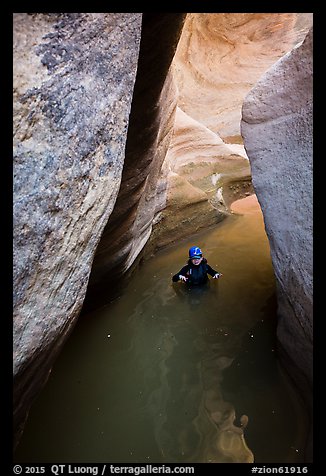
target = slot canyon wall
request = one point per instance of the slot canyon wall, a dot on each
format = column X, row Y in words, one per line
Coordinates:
column 277, row 128
column 219, row 58
column 74, row 77
column 115, row 154
column 150, row 128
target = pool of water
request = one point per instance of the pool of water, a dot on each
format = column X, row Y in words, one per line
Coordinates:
column 165, row 374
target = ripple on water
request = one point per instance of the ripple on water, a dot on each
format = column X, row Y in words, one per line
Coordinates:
column 180, row 367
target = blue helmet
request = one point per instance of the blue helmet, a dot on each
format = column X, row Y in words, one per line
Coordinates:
column 195, row 252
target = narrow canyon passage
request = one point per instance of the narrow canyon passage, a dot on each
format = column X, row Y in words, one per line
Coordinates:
column 162, row 374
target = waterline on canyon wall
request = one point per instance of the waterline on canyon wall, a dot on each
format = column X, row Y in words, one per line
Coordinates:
column 164, row 374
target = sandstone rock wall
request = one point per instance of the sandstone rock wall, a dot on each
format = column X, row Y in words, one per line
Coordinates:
column 277, row 129
column 198, row 175
column 218, row 59
column 74, row 75
column 149, row 133
column 89, row 170
column 222, row 55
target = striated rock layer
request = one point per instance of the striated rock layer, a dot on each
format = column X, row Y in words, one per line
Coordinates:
column 222, row 55
column 199, row 176
column 218, row 59
column 74, row 76
column 277, row 130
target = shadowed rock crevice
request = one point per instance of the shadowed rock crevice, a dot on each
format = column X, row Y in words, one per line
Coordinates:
column 150, row 128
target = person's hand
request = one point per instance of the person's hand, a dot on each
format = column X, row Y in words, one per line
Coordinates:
column 217, row 275
column 182, row 278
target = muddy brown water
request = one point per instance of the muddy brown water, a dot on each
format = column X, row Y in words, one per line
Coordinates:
column 164, row 374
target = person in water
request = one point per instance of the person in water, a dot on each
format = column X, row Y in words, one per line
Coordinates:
column 197, row 269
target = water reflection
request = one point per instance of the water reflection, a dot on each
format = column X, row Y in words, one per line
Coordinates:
column 194, row 296
column 198, row 424
column 165, row 373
